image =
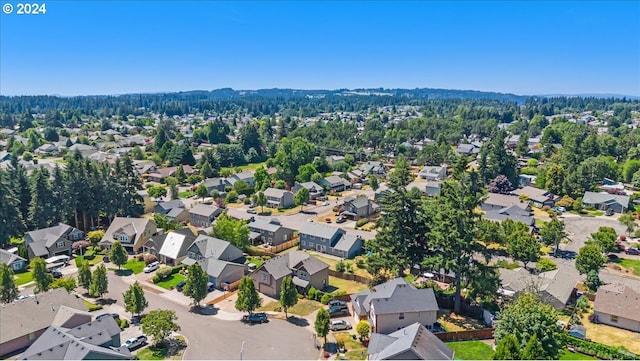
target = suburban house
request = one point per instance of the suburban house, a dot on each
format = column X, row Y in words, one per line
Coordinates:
column 202, row 215
column 24, row 321
column 269, row 231
column 514, row 213
column 539, row 197
column 555, row 288
column 359, row 207
column 330, row 240
column 279, row 198
column 335, row 183
column 93, row 340
column 467, row 149
column 166, row 207
column 15, row 262
column 246, row 176
column 315, row 190
column 618, row 305
column 333, row 159
column 47, row 149
column 497, row 201
column 52, row 241
column 218, row 184
column 604, row 201
column 131, row 232
column 433, row 173
column 160, row 174
column 171, row 248
column 221, row 260
column 84, row 149
column 305, row 270
column 395, row 304
column 178, row 215
column 413, row 342
column 373, row 167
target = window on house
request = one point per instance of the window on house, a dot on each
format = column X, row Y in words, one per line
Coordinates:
column 60, row 244
column 265, row 278
column 401, row 316
column 310, row 244
column 123, row 238
column 614, row 318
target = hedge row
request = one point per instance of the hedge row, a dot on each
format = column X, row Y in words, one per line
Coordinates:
column 599, row 350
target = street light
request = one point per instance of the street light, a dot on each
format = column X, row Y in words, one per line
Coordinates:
column 241, row 349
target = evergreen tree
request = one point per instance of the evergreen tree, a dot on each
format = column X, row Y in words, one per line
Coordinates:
column 288, row 294
column 99, row 282
column 196, row 284
column 206, row 171
column 41, row 208
column 134, row 300
column 22, row 189
column 507, row 349
column 118, row 254
column 11, row 223
column 8, row 289
column 533, row 350
column 84, row 275
column 248, row 298
column 41, row 275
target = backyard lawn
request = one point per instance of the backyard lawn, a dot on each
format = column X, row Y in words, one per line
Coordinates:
column 631, row 264
column 611, row 336
column 171, row 282
column 92, row 262
column 258, row 261
column 134, row 265
column 471, row 350
column 355, row 349
column 452, row 322
column 570, row 355
column 24, row 277
column 332, row 264
column 347, row 286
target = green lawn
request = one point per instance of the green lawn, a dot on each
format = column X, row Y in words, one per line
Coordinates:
column 305, row 307
column 91, row 306
column 258, row 261
column 92, row 262
column 471, row 350
column 250, row 166
column 154, row 352
column 629, row 263
column 22, row 278
column 186, row 194
column 172, row 281
column 134, row 265
column 570, row 355
column 355, row 349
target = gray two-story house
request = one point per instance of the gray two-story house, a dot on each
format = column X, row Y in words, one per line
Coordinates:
column 132, row 233
column 279, row 198
column 315, row 190
column 270, row 231
column 305, row 270
column 330, row 240
column 223, row 262
column 202, row 215
column 359, row 207
column 52, row 241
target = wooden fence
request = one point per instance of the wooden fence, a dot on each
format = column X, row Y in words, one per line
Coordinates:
column 221, row 298
column 466, row 309
column 349, row 276
column 272, row 251
column 483, row 334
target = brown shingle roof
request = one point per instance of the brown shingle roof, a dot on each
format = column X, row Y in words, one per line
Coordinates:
column 618, row 300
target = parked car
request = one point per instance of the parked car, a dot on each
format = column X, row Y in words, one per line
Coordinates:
column 338, row 303
column 180, row 285
column 210, row 286
column 608, row 212
column 258, row 317
column 55, row 273
column 135, row 342
column 105, row 259
column 252, row 211
column 560, row 209
column 151, row 267
column 337, row 311
column 325, row 203
column 341, row 220
column 632, row 251
column 338, row 325
column 114, row 315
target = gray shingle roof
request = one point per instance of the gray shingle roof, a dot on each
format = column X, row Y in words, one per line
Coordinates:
column 406, row 299
column 319, row 230
column 276, row 193
column 414, row 339
column 8, row 258
column 346, row 242
column 361, row 301
column 206, row 210
column 283, row 265
column 50, row 234
column 512, row 212
column 604, row 198
column 618, row 300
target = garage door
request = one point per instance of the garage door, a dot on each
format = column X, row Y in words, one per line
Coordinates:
column 267, row 290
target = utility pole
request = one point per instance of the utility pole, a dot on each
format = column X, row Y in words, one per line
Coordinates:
column 241, row 349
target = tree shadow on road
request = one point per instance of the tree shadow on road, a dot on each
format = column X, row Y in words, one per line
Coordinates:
column 298, row 321
column 106, row 301
column 566, row 254
column 123, row 272
column 208, row 310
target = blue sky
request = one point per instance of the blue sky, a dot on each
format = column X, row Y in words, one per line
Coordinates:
column 522, row 47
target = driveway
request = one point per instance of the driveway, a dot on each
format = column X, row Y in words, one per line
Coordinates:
column 579, row 229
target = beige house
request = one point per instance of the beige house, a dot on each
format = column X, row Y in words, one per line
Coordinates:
column 131, row 232
column 25, row 320
column 395, row 304
column 306, row 271
column 618, row 305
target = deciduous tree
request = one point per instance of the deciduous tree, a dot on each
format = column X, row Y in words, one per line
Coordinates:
column 99, row 282
column 321, row 325
column 523, row 247
column 248, row 298
column 363, row 328
column 118, row 254
column 41, row 275
column 288, row 294
column 302, row 197
column 134, row 300
column 159, row 324
column 84, row 275
column 629, row 222
column 8, row 289
column 196, row 284
column 590, row 258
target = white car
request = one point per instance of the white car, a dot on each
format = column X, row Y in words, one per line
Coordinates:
column 151, row 267
column 135, row 342
column 325, row 203
column 342, row 304
column 337, row 325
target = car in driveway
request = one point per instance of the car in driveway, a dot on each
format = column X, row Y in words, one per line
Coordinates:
column 151, row 267
column 258, row 317
column 252, row 211
column 341, row 219
column 339, row 325
column 135, row 342
column 632, row 251
column 210, row 286
column 338, row 303
column 338, row 311
column 180, row 285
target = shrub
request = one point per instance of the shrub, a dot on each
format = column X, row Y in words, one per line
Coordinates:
column 79, row 261
column 123, row 323
column 164, row 272
column 360, row 263
column 150, row 258
column 545, row 264
column 246, row 200
column 341, row 267
column 300, row 296
column 361, row 222
column 177, row 269
column 326, row 298
column 335, row 209
column 140, row 257
column 312, row 293
column 599, row 350
column 546, row 208
column 90, row 254
column 156, row 279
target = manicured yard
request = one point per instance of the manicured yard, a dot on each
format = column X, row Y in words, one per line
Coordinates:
column 332, row 264
column 258, row 261
column 134, row 265
column 170, row 282
column 160, row 353
column 91, row 306
column 355, row 349
column 92, row 262
column 570, row 355
column 23, row 278
column 629, row 263
column 348, row 286
column 186, row 194
column 305, row 307
column 452, row 322
column 250, row 166
column 471, row 350
column 273, row 306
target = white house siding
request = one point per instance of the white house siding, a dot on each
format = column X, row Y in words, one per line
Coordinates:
column 624, row 323
column 388, row 323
